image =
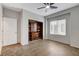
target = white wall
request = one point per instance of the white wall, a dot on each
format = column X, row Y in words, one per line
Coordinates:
column 17, row 15
column 73, row 25
column 9, row 13
column 74, row 35
column 24, row 25
column 19, row 27
column 0, row 22
column 60, row 38
column 0, row 28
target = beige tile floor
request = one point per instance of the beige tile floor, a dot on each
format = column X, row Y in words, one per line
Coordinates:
column 40, row 48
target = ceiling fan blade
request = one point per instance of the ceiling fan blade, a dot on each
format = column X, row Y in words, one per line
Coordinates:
column 45, row 3
column 41, row 7
column 52, row 3
column 53, row 7
column 48, row 3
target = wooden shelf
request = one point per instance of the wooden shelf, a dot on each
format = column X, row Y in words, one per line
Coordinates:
column 35, row 30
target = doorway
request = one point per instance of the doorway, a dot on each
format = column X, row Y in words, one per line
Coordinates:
column 9, row 31
column 35, row 30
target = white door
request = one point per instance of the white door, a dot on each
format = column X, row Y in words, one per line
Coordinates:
column 9, row 31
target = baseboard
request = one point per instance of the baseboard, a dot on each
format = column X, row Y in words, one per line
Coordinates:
column 11, row 45
column 75, row 46
column 59, row 41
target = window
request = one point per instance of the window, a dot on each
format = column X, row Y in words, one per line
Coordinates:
column 58, row 27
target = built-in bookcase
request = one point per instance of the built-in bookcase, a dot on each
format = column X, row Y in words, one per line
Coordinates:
column 35, row 30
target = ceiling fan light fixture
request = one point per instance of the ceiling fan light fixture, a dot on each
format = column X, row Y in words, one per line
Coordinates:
column 47, row 6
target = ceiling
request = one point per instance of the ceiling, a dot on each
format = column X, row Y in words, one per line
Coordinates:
column 32, row 7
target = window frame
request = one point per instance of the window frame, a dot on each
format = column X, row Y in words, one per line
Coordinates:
column 57, row 33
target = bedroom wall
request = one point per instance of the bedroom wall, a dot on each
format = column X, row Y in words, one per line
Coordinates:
column 60, row 38
column 26, row 15
column 17, row 15
column 0, row 28
column 74, row 35
column 73, row 26
column 22, row 23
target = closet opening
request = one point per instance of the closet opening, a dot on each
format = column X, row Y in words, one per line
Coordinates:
column 35, row 30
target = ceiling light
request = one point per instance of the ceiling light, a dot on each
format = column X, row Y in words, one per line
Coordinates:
column 47, row 6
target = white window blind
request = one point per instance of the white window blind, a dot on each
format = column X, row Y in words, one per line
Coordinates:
column 58, row 27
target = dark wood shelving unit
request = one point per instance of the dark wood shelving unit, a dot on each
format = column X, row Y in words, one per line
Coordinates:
column 35, row 30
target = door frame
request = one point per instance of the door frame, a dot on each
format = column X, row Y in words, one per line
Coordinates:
column 36, row 21
column 3, row 31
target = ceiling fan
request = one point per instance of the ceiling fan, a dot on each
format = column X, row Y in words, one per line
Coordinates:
column 47, row 6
